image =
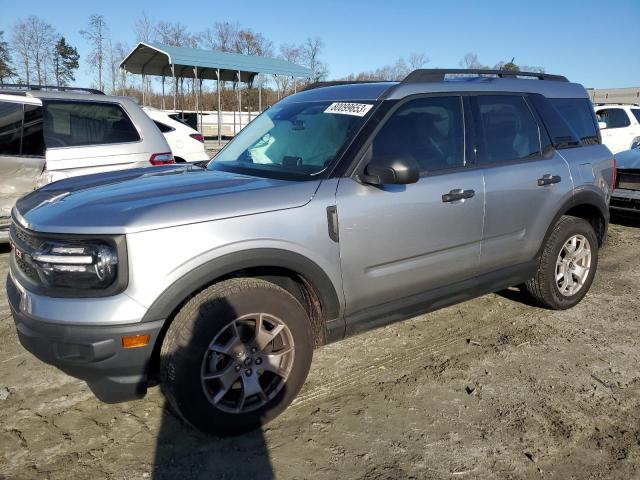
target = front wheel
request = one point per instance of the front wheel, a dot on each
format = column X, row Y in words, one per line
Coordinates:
column 567, row 264
column 236, row 355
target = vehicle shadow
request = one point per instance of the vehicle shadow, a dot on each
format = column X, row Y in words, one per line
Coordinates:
column 518, row 294
column 182, row 452
column 626, row 220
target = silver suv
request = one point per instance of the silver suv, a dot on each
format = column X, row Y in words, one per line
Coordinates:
column 339, row 209
column 49, row 135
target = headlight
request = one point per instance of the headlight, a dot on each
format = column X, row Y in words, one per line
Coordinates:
column 87, row 266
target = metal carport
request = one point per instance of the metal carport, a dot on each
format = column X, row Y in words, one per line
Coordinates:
column 182, row 62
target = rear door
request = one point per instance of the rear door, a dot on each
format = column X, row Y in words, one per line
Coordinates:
column 398, row 241
column 524, row 186
column 84, row 137
column 21, row 151
column 618, row 135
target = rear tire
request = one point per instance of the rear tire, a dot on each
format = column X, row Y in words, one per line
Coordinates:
column 567, row 265
column 236, row 355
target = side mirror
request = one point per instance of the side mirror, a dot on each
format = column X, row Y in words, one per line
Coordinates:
column 602, row 125
column 393, row 170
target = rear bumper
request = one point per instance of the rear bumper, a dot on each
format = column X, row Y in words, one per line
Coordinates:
column 625, row 201
column 91, row 353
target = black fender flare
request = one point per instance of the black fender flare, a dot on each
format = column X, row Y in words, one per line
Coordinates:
column 169, row 300
column 582, row 196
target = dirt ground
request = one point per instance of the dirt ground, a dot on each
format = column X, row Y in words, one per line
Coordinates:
column 492, row 388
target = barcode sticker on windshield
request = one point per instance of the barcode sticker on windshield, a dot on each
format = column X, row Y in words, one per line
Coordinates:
column 357, row 109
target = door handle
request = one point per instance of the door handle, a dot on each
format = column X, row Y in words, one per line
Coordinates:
column 548, row 179
column 457, row 194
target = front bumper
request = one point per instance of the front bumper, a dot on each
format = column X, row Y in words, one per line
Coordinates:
column 625, row 201
column 91, row 353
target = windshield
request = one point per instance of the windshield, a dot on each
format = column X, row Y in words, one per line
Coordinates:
column 292, row 141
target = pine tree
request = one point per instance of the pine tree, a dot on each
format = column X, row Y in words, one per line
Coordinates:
column 6, row 70
column 65, row 62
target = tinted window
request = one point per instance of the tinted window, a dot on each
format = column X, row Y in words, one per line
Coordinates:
column 72, row 124
column 10, row 128
column 578, row 113
column 431, row 130
column 163, row 128
column 507, row 129
column 636, row 113
column 613, row 117
column 33, row 137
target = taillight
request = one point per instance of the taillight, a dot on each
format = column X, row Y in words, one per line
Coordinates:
column 615, row 174
column 165, row 158
column 198, row 137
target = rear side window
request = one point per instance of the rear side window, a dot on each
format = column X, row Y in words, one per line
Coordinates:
column 163, row 128
column 613, row 117
column 578, row 113
column 75, row 124
column 430, row 130
column 636, row 113
column 507, row 129
column 21, row 129
column 10, row 128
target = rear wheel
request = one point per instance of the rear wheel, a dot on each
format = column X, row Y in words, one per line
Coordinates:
column 236, row 355
column 567, row 264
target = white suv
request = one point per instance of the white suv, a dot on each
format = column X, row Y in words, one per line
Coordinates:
column 619, row 125
column 46, row 136
column 186, row 143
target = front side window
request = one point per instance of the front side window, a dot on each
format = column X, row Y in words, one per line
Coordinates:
column 77, row 123
column 578, row 113
column 429, row 130
column 10, row 128
column 613, row 117
column 33, row 136
column 296, row 141
column 507, row 130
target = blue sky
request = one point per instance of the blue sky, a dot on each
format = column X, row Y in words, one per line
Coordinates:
column 591, row 42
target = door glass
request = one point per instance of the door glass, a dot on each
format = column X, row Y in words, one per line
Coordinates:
column 613, row 117
column 10, row 128
column 578, row 113
column 507, row 129
column 33, row 136
column 74, row 124
column 636, row 113
column 429, row 130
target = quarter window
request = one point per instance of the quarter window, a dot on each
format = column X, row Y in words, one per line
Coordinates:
column 507, row 129
column 21, row 129
column 636, row 113
column 613, row 117
column 74, row 124
column 430, row 130
column 578, row 113
column 163, row 128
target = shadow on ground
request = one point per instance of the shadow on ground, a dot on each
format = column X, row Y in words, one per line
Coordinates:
column 627, row 221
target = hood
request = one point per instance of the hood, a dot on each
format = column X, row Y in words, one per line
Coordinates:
column 628, row 159
column 141, row 199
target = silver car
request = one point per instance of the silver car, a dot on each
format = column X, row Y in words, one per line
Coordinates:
column 339, row 209
column 46, row 136
column 626, row 197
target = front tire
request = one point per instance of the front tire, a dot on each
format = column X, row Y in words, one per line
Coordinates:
column 567, row 265
column 236, row 355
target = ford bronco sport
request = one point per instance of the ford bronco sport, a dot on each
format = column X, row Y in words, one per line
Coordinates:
column 339, row 209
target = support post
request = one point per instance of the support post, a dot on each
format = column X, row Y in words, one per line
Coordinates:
column 260, row 98
column 144, row 89
column 219, row 103
column 239, row 103
column 195, row 87
column 163, row 105
column 295, row 85
column 175, row 86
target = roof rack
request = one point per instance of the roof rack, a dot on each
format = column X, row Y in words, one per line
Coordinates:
column 17, row 86
column 599, row 104
column 438, row 74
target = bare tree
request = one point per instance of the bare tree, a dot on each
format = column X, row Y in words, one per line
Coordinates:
column 470, row 61
column 417, row 60
column 248, row 42
column 291, row 53
column 311, row 49
column 174, row 34
column 96, row 33
column 21, row 45
column 41, row 43
column 145, row 28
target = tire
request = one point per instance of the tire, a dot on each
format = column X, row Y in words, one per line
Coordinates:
column 544, row 286
column 214, row 335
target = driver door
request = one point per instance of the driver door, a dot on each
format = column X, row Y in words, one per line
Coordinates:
column 400, row 241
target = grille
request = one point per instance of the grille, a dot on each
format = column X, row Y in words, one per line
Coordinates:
column 27, row 243
column 628, row 179
column 27, row 269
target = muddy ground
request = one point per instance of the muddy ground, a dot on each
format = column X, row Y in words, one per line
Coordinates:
column 492, row 388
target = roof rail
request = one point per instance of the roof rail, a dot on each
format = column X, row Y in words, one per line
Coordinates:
column 17, row 86
column 438, row 74
column 340, row 82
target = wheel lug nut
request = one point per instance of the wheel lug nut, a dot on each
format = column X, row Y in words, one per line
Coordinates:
column 248, row 372
column 254, row 350
column 238, row 367
column 258, row 361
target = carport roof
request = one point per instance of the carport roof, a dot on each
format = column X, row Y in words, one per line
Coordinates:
column 157, row 59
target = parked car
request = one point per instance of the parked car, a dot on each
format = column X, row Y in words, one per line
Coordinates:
column 626, row 197
column 187, row 144
column 620, row 125
column 50, row 135
column 338, row 210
